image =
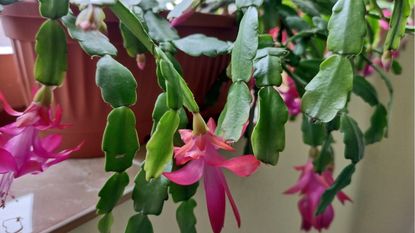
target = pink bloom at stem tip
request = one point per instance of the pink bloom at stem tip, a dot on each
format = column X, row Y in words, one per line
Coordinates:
column 183, row 18
column 289, row 94
column 311, row 187
column 22, row 148
column 200, row 157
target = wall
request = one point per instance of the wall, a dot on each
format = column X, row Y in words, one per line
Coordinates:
column 382, row 189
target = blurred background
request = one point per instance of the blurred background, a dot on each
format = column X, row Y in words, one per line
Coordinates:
column 382, row 189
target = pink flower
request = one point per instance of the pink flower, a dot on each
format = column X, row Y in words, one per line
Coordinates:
column 384, row 24
column 289, row 94
column 201, row 158
column 311, row 187
column 184, row 17
column 22, row 148
column 141, row 61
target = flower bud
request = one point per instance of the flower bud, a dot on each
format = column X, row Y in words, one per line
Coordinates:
column 387, row 60
column 141, row 60
column 91, row 18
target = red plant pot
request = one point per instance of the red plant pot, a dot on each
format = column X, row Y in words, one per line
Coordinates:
column 79, row 96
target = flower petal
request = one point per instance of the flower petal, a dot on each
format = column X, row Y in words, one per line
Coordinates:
column 7, row 107
column 324, row 220
column 215, row 198
column 218, row 142
column 229, row 194
column 7, row 162
column 187, row 175
column 242, row 165
column 51, row 142
column 342, row 197
column 211, row 125
column 306, row 212
column 30, row 166
column 61, row 156
column 300, row 185
column 186, row 135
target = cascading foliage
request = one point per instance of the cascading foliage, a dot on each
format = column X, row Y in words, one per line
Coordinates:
column 322, row 49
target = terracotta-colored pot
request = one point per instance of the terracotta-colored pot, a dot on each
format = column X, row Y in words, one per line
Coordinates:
column 79, row 96
column 10, row 86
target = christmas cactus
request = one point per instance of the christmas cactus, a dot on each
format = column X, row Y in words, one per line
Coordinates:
column 290, row 57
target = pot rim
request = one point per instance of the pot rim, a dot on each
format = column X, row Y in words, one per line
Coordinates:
column 29, row 9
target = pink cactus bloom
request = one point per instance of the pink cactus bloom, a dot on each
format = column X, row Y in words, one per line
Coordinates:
column 184, row 17
column 274, row 32
column 289, row 94
column 201, row 156
column 311, row 187
column 141, row 61
column 384, row 24
column 22, row 148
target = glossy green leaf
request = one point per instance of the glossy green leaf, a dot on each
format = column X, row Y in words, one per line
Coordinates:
column 120, row 140
column 160, row 108
column 344, row 179
column 133, row 23
column 267, row 67
column 117, row 83
column 245, row 46
column 325, row 157
column 268, row 136
column 396, row 67
column 308, row 68
column 174, row 96
column 139, row 223
column 149, row 196
column 222, row 115
column 94, row 43
column 314, row 134
column 353, row 139
column 297, row 23
column 180, row 9
column 161, row 81
column 182, row 192
column 237, row 113
column 365, row 90
column 327, row 93
column 105, row 223
column 185, row 216
column 53, row 9
column 51, row 60
column 334, row 124
column 112, row 192
column 265, row 40
column 188, row 99
column 307, row 6
column 130, row 42
column 198, row 44
column 401, row 12
column 347, row 27
column 160, row 145
column 159, row 28
column 378, row 125
column 248, row 3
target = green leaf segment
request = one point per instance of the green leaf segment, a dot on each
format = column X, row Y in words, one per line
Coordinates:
column 327, row 94
column 118, row 89
column 234, row 118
